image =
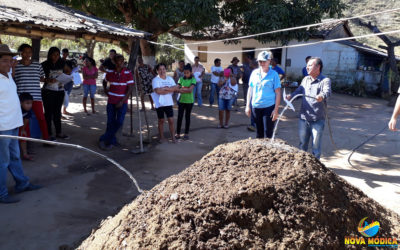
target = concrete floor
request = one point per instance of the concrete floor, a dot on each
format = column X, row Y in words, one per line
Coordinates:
column 80, row 190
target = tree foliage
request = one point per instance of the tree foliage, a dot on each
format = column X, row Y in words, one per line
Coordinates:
column 244, row 16
column 213, row 19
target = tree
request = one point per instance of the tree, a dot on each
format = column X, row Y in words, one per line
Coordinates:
column 390, row 46
column 212, row 19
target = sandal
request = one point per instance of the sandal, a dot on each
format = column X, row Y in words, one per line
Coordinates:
column 27, row 157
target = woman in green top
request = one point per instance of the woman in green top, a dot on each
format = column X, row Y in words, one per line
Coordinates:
column 186, row 100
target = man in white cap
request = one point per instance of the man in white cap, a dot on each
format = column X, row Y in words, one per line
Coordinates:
column 10, row 121
column 264, row 94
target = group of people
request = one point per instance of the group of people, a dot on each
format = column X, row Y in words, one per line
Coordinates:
column 261, row 80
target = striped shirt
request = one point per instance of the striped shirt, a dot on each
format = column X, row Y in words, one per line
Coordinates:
column 27, row 79
column 119, row 83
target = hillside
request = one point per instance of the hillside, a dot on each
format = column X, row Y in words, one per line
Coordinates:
column 385, row 22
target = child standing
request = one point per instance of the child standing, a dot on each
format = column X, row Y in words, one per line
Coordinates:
column 227, row 96
column 26, row 101
column 90, row 74
column 186, row 100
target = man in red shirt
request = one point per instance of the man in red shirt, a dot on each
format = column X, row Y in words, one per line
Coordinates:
column 121, row 85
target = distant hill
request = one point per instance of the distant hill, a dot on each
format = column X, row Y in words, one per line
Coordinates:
column 385, row 22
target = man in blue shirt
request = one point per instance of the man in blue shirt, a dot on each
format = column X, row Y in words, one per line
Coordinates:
column 316, row 88
column 278, row 69
column 265, row 95
column 305, row 73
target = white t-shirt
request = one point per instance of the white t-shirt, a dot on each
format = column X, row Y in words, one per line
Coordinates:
column 10, row 111
column 162, row 100
column 214, row 78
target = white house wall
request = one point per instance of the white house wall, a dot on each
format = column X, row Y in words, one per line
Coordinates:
column 340, row 61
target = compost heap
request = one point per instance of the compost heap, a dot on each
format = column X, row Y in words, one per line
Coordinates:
column 247, row 194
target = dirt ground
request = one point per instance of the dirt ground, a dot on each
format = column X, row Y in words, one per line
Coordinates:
column 80, row 190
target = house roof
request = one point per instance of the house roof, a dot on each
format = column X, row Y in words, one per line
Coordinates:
column 326, row 29
column 35, row 18
column 364, row 48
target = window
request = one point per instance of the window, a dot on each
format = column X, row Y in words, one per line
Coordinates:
column 202, row 55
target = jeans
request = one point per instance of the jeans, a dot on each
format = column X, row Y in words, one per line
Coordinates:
column 115, row 119
column 259, row 114
column 52, row 102
column 187, row 109
column 313, row 129
column 214, row 88
column 197, row 91
column 68, row 90
column 89, row 89
column 245, row 90
column 10, row 159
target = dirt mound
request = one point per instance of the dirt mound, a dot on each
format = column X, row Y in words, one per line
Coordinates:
column 247, row 194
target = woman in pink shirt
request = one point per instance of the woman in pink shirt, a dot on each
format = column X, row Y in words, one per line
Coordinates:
column 90, row 74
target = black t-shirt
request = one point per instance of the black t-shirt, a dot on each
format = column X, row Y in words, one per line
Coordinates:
column 108, row 64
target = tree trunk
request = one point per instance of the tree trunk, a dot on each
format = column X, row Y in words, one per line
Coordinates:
column 90, row 46
column 148, row 52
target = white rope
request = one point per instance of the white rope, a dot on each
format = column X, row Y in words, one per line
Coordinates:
column 286, row 46
column 287, row 29
column 77, row 147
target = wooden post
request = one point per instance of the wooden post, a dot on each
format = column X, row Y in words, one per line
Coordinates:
column 131, row 66
column 36, row 48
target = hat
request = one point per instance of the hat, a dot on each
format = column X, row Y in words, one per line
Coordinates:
column 235, row 59
column 264, row 56
column 5, row 50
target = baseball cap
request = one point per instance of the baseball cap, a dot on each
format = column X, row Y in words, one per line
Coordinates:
column 264, row 56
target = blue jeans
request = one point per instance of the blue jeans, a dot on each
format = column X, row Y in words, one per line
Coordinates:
column 115, row 119
column 197, row 91
column 313, row 130
column 10, row 159
column 214, row 88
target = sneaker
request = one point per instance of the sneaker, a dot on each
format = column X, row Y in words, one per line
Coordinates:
column 30, row 187
column 103, row 146
column 251, row 128
column 177, row 137
column 8, row 199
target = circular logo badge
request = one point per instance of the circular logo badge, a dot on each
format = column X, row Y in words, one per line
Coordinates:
column 368, row 230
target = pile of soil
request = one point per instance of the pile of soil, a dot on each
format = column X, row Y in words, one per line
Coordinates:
column 247, row 194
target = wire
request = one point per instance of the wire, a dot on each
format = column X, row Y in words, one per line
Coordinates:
column 286, row 46
column 77, row 147
column 288, row 29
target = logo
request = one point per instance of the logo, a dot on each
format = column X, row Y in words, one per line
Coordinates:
column 370, row 231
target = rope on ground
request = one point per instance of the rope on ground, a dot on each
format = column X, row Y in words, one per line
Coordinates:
column 80, row 148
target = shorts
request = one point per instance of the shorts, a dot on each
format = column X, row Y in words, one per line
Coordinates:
column 89, row 88
column 225, row 104
column 167, row 110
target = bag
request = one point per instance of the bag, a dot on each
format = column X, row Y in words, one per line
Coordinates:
column 226, row 92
